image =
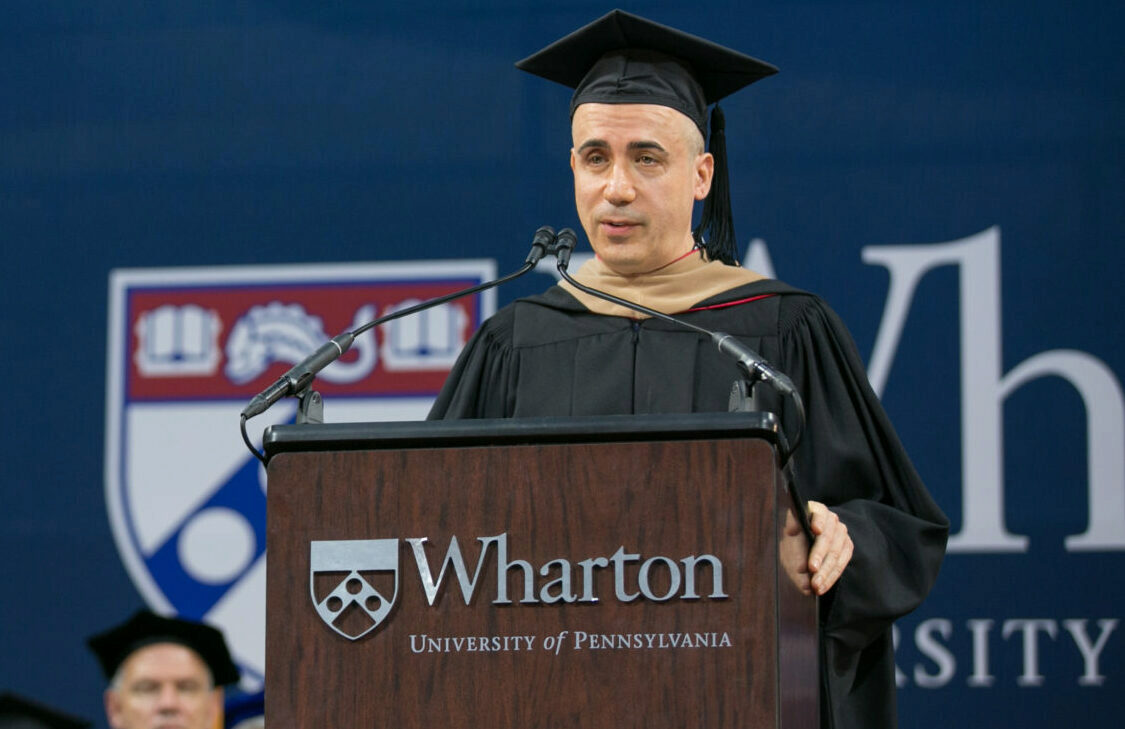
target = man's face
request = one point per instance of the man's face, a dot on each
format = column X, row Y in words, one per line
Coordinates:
column 638, row 170
column 163, row 686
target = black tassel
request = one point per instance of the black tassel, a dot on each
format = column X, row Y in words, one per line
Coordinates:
column 715, row 231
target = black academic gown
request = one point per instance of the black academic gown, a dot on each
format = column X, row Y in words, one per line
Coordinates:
column 549, row 355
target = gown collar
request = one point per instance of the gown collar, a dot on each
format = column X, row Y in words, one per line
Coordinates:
column 671, row 289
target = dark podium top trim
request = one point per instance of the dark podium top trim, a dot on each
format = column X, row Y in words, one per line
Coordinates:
column 517, row 431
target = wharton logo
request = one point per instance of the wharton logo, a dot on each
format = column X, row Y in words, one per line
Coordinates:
column 352, row 606
column 188, row 348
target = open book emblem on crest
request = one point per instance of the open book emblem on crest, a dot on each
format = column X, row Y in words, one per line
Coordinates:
column 340, row 575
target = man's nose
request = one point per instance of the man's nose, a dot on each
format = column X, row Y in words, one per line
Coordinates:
column 619, row 188
column 169, row 698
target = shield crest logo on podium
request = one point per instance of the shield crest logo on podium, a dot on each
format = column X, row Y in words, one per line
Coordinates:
column 187, row 349
column 349, row 564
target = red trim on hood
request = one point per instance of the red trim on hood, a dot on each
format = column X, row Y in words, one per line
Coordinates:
column 731, row 303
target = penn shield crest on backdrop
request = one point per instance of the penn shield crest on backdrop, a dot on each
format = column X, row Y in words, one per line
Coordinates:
column 188, row 347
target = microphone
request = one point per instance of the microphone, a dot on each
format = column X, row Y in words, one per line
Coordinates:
column 541, row 243
column 753, row 364
column 565, row 242
column 302, row 374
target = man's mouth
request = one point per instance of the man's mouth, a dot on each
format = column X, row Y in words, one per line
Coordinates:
column 617, row 226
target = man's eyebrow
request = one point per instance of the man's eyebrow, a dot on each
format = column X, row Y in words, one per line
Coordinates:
column 633, row 146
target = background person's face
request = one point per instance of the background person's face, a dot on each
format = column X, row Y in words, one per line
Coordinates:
column 163, row 686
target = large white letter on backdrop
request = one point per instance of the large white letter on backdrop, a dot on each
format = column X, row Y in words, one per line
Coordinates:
column 984, row 389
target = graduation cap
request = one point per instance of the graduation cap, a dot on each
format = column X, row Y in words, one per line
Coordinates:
column 622, row 58
column 145, row 628
column 16, row 712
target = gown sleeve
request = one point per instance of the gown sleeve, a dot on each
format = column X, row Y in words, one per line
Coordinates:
column 852, row 461
column 482, row 382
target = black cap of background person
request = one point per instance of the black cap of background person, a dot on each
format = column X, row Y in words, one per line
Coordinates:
column 622, row 58
column 16, row 712
column 145, row 628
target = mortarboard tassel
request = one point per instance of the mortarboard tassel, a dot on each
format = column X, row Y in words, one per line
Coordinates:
column 715, row 231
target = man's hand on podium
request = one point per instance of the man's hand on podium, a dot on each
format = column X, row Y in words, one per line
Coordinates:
column 831, row 550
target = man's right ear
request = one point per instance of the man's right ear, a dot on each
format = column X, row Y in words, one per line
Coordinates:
column 112, row 708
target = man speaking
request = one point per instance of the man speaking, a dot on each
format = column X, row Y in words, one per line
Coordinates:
column 643, row 95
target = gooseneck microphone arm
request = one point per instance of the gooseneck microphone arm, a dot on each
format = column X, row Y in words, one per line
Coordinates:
column 544, row 238
column 301, row 375
column 753, row 364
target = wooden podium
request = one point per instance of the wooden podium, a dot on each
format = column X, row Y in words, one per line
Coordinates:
column 614, row 572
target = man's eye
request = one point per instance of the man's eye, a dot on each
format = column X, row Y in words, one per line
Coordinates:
column 646, row 159
column 595, row 158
